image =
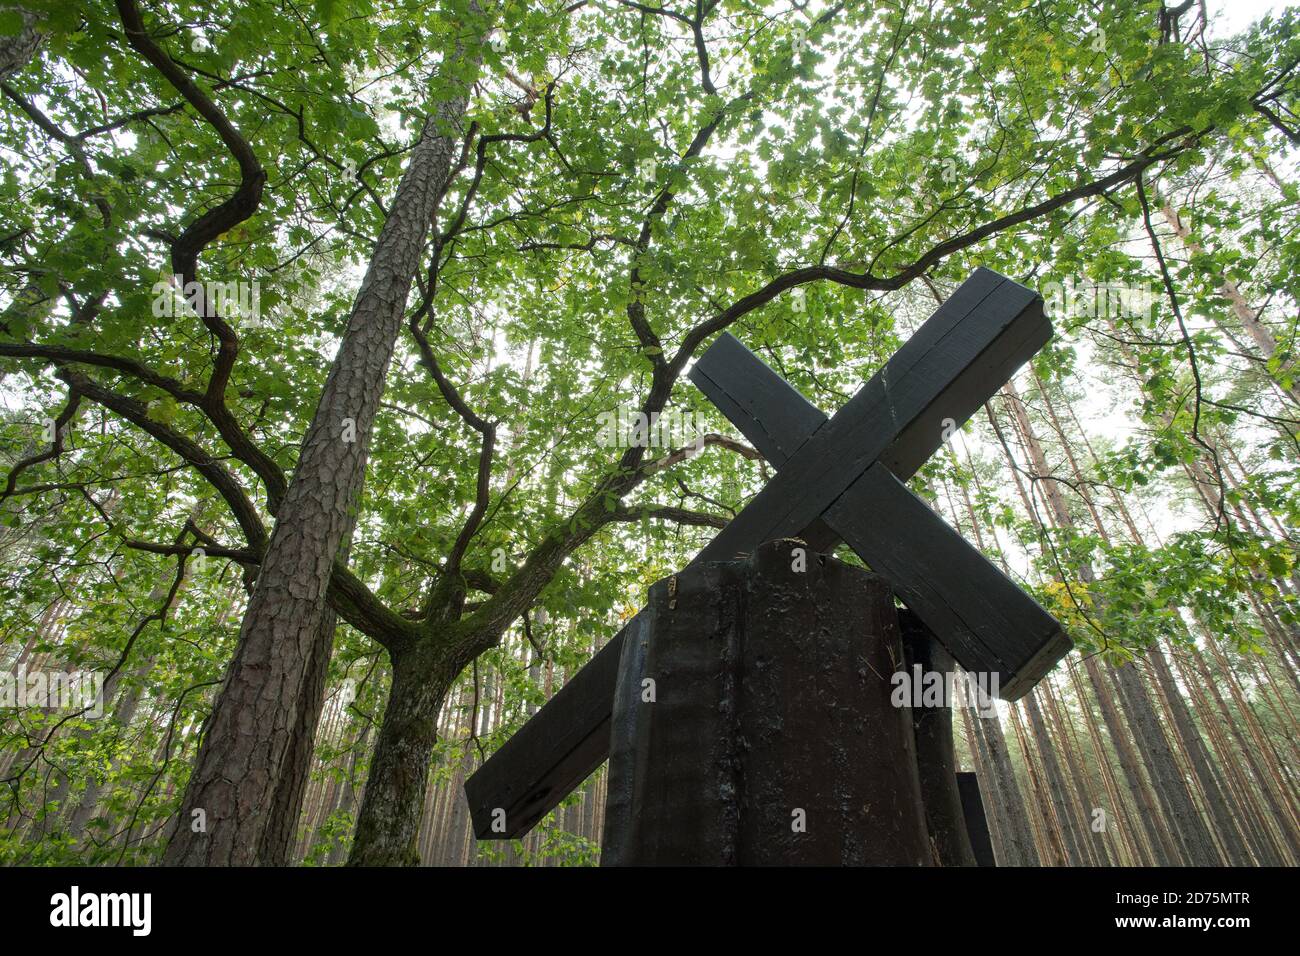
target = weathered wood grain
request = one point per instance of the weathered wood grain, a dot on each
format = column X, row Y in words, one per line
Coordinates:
column 771, row 739
column 972, row 343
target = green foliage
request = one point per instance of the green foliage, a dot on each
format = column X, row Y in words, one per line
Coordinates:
column 894, row 143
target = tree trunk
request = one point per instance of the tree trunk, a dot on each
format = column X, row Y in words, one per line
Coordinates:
column 1119, row 808
column 1051, row 850
column 282, row 826
column 1225, row 824
column 388, row 825
column 17, row 50
column 1257, row 330
column 1150, row 817
column 1092, row 840
column 1067, row 821
column 936, row 762
column 1171, row 786
column 239, row 775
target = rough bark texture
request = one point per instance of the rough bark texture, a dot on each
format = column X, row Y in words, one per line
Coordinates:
column 950, row 843
column 1067, row 824
column 1171, row 786
column 16, row 51
column 251, row 732
column 388, row 825
column 1225, row 823
column 282, row 827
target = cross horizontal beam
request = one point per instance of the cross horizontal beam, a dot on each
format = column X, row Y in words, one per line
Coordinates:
column 947, row 369
column 985, row 620
column 952, row 365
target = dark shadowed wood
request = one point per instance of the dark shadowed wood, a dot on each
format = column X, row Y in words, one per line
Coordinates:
column 950, row 366
column 896, row 405
column 977, row 824
column 779, row 419
column 935, row 760
column 551, row 754
column 987, row 621
column 772, row 738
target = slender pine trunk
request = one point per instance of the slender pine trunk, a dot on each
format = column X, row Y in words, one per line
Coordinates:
column 238, row 779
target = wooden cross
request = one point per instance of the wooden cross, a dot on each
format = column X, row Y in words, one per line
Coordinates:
column 837, row 478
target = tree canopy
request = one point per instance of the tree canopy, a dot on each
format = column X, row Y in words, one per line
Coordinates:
column 194, row 200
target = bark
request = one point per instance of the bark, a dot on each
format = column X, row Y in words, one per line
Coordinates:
column 1094, row 841
column 1119, row 809
column 1225, row 823
column 1171, row 785
column 1259, row 333
column 1244, row 796
column 1017, row 832
column 1284, row 825
column 282, row 827
column 1047, row 836
column 239, row 775
column 1067, row 822
column 16, row 51
column 388, row 825
column 1150, row 818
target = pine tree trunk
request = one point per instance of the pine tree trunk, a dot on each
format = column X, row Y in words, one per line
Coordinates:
column 1244, row 797
column 1051, row 849
column 1258, row 332
column 1067, row 822
column 1171, row 787
column 1198, row 760
column 1017, row 830
column 1093, row 840
column 1136, row 850
column 1011, row 816
column 347, row 797
column 239, row 775
column 282, row 827
column 1150, row 817
column 1225, row 824
column 17, row 49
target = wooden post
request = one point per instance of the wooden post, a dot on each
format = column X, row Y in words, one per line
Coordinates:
column 838, row 477
column 753, row 725
column 977, row 824
column 937, row 763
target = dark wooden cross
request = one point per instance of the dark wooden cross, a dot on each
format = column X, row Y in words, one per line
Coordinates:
column 840, row 478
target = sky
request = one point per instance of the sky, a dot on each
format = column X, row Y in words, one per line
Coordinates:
column 1230, row 16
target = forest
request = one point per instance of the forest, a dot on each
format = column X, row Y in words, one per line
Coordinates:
column 344, row 410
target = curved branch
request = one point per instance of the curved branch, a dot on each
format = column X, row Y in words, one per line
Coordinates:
column 136, row 412
column 669, row 513
column 236, row 208
column 938, row 252
column 56, row 445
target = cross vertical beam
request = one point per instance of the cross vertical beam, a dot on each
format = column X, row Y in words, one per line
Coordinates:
column 953, row 363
